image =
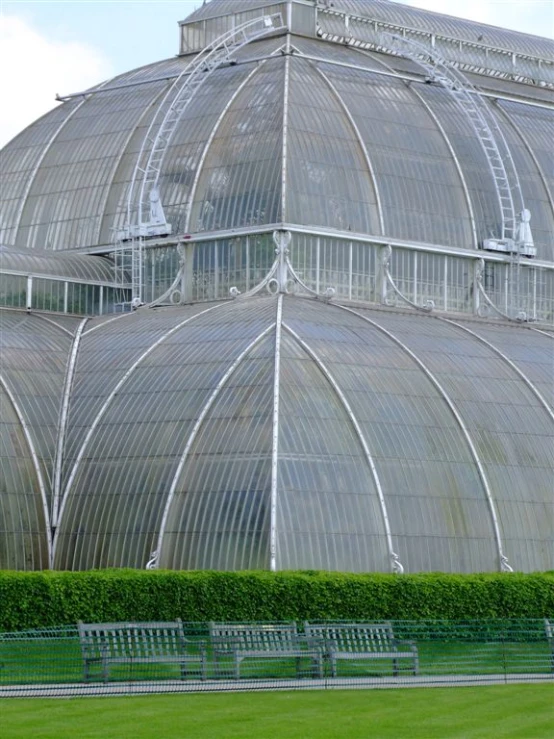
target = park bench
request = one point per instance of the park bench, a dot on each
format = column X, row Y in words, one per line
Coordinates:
column 263, row 641
column 139, row 643
column 362, row 641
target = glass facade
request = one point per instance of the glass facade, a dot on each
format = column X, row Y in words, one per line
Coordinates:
column 363, row 403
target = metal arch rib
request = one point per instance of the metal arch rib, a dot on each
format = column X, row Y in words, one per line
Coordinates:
column 32, row 176
column 448, row 143
column 275, row 439
column 36, row 465
column 62, row 422
column 361, row 142
column 106, row 404
column 196, row 428
column 54, row 323
column 177, row 98
column 213, row 133
column 482, row 120
column 396, row 565
column 503, row 560
column 532, row 387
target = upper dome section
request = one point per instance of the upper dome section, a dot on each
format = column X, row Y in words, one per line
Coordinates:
column 295, row 130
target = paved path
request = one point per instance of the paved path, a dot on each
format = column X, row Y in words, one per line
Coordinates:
column 213, row 686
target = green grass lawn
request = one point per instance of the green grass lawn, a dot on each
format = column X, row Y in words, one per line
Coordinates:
column 491, row 712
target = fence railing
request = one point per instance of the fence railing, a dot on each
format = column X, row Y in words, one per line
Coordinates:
column 279, row 656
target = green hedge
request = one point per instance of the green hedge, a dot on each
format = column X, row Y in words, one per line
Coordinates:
column 40, row 599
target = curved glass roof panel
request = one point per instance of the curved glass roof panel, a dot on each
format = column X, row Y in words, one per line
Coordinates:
column 81, row 267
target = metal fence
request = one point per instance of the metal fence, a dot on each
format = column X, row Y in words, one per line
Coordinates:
column 254, row 656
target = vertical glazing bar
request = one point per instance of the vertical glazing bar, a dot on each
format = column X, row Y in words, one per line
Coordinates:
column 445, row 283
column 350, row 272
column 29, row 297
column 534, row 305
column 216, row 270
column 317, row 261
column 415, row 285
column 275, row 440
column 285, row 138
column 65, row 296
column 247, row 281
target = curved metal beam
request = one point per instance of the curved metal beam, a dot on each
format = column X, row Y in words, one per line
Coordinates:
column 105, row 405
column 42, row 317
column 36, row 465
column 62, row 422
column 156, row 554
column 275, row 439
column 503, row 560
column 396, row 565
column 536, row 392
column 207, row 146
column 31, row 178
column 284, row 152
column 361, row 142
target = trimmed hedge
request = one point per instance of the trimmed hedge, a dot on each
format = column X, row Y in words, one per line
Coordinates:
column 31, row 600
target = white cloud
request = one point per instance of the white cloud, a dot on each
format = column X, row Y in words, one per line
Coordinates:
column 41, row 68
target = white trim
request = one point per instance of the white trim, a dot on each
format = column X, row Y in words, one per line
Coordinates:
column 503, row 561
column 361, row 142
column 536, row 392
column 396, row 566
column 285, row 132
column 107, row 402
column 62, row 422
column 196, row 428
column 275, row 439
column 36, row 465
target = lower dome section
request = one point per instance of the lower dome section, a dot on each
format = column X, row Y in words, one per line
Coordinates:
column 280, row 432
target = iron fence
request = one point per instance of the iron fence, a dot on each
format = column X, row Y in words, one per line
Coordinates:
column 52, row 661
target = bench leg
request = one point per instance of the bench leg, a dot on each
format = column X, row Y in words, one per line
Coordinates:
column 333, row 664
column 395, row 667
column 237, row 666
column 416, row 664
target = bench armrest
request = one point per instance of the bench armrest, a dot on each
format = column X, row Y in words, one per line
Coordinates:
column 406, row 643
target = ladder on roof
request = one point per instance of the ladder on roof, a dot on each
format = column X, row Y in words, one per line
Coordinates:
column 499, row 157
column 145, row 214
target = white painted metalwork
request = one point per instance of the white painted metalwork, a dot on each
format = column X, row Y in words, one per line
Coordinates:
column 207, row 146
column 483, row 123
column 30, row 178
column 62, row 422
column 144, row 194
column 531, row 385
column 504, row 565
column 396, row 564
column 36, row 465
column 275, row 439
column 387, row 280
column 196, row 428
column 363, row 147
column 284, row 152
column 153, row 562
column 42, row 317
column 105, row 405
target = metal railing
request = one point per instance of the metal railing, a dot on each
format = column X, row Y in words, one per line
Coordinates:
column 49, row 662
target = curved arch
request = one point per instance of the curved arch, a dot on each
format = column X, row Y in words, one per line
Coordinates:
column 361, row 142
column 107, row 402
column 123, row 151
column 62, row 422
column 196, row 428
column 42, row 317
column 396, row 565
column 448, row 144
column 211, row 138
column 503, row 560
column 536, row 392
column 532, row 154
column 36, row 465
column 275, row 438
column 32, row 177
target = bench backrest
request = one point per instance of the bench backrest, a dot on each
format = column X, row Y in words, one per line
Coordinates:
column 248, row 637
column 355, row 637
column 549, row 628
column 146, row 639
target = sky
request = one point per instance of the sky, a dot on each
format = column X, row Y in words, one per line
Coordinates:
column 62, row 46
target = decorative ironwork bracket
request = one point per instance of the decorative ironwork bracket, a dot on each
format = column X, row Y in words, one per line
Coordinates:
column 386, row 253
column 483, row 309
column 282, row 277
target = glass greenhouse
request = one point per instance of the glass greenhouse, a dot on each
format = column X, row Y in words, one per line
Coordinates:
column 286, row 301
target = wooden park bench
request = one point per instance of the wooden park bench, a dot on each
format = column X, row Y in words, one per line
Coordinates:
column 263, row 641
column 139, row 643
column 362, row 641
